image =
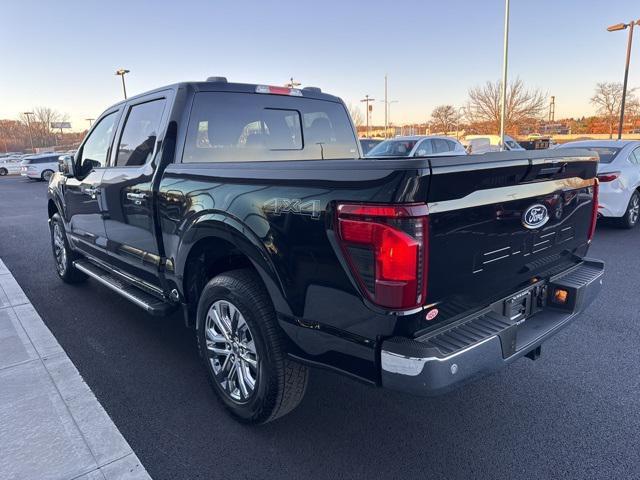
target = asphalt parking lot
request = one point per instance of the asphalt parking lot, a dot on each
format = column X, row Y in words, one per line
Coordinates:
column 574, row 413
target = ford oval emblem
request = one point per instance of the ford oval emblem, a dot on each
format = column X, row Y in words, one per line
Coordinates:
column 535, row 216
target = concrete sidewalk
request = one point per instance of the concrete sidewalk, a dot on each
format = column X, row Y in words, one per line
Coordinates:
column 51, row 424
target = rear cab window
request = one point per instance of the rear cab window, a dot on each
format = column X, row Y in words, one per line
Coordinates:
column 237, row 127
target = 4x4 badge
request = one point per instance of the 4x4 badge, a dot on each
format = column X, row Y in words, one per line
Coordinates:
column 535, row 216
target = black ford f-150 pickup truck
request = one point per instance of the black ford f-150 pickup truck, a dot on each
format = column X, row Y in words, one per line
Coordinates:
column 250, row 208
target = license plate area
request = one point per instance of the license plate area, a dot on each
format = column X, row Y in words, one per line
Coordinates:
column 524, row 303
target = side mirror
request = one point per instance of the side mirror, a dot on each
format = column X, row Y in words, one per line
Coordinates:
column 65, row 165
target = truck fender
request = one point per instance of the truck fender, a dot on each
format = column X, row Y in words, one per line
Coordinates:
column 224, row 227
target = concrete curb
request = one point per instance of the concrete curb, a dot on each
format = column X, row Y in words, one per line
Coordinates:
column 51, row 424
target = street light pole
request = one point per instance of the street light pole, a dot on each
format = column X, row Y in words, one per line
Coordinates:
column 26, row 114
column 90, row 120
column 613, row 28
column 122, row 72
column 503, row 102
column 366, row 100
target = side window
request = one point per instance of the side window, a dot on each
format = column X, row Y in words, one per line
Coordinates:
column 424, row 149
column 138, row 138
column 94, row 150
column 451, row 145
column 440, row 145
column 237, row 127
column 634, row 157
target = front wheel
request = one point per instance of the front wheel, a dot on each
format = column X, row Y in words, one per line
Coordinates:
column 632, row 214
column 62, row 254
column 242, row 348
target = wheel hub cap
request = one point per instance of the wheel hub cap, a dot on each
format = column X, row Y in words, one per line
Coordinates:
column 634, row 211
column 231, row 350
column 59, row 249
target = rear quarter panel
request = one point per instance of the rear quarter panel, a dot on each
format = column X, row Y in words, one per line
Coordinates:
column 280, row 214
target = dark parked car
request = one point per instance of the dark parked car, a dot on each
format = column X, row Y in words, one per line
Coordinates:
column 248, row 208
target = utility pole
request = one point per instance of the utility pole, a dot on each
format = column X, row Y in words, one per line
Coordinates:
column 613, row 28
column 122, row 72
column 503, row 102
column 27, row 114
column 367, row 100
column 552, row 109
column 386, row 108
column 292, row 84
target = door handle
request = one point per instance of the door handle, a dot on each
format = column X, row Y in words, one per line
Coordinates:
column 91, row 191
column 136, row 196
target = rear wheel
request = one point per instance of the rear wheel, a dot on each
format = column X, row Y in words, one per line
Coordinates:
column 62, row 254
column 3, row 172
column 46, row 175
column 242, row 348
column 632, row 215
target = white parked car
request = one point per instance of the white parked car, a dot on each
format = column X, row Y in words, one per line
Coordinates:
column 490, row 143
column 418, row 146
column 39, row 167
column 9, row 166
column 619, row 175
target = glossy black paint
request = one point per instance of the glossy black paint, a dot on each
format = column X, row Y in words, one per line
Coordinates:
column 279, row 218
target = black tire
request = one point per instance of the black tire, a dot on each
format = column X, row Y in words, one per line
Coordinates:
column 46, row 175
column 280, row 383
column 3, row 172
column 632, row 214
column 64, row 263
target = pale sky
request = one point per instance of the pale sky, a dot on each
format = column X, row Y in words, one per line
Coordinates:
column 63, row 54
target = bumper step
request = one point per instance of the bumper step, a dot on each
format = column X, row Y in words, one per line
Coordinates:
column 152, row 304
column 468, row 333
column 455, row 354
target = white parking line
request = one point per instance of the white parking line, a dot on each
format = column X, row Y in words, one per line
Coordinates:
column 51, row 424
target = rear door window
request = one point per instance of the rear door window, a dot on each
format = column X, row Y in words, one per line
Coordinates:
column 138, row 139
column 236, row 127
column 440, row 145
column 452, row 145
column 425, row 148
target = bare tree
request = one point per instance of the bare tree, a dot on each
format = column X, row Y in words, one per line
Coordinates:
column 356, row 115
column 523, row 104
column 40, row 124
column 13, row 135
column 607, row 99
column 444, row 118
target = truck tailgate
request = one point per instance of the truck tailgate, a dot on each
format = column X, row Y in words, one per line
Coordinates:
column 499, row 220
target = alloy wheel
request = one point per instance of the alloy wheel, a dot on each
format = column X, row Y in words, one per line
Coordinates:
column 59, row 249
column 231, row 350
column 634, row 209
column 47, row 175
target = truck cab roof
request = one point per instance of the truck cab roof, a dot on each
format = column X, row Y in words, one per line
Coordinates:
column 219, row 85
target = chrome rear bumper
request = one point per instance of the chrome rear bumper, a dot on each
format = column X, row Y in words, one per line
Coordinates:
column 476, row 346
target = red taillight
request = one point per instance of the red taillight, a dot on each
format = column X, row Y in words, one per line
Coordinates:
column 608, row 177
column 594, row 209
column 386, row 247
